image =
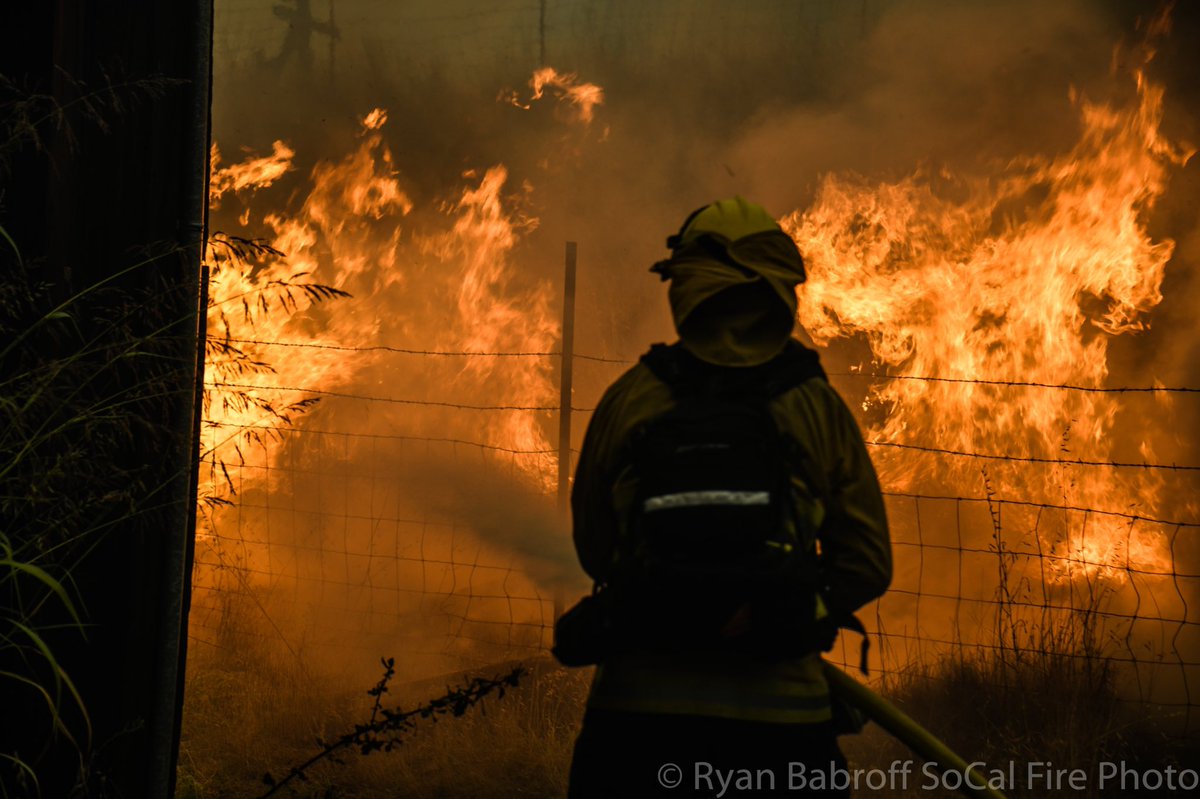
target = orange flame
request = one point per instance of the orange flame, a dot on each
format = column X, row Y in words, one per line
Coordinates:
column 267, row 303
column 494, row 318
column 347, row 231
column 566, row 86
column 1024, row 280
column 254, row 173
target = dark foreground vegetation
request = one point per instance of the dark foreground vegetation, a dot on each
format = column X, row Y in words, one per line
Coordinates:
column 103, row 142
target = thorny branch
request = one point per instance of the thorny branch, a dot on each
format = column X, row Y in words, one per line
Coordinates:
column 386, row 727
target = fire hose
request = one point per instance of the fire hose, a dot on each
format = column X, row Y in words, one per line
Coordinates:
column 906, row 730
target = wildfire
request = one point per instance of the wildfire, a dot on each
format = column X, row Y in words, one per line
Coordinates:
column 347, row 231
column 252, row 305
column 1021, row 277
column 425, row 354
column 445, row 347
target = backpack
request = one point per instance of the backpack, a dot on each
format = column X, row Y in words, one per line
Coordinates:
column 712, row 556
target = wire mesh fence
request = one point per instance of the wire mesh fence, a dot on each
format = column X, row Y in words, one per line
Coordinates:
column 342, row 541
column 331, row 556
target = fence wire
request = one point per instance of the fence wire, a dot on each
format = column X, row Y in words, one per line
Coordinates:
column 333, row 540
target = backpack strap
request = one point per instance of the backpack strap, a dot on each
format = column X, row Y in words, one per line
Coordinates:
column 849, row 621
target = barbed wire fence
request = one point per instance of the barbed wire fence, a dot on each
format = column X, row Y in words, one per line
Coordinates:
column 315, row 548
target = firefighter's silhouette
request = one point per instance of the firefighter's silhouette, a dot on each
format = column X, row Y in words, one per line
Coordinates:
column 727, row 509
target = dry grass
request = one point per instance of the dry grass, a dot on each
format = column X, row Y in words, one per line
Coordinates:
column 251, row 710
column 520, row 747
column 240, row 726
column 1049, row 705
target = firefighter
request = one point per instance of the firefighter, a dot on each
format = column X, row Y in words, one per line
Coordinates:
column 664, row 716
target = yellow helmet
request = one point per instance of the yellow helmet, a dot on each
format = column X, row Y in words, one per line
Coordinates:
column 732, row 219
column 733, row 274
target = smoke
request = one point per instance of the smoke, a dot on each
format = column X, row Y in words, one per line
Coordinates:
column 961, row 86
column 503, row 510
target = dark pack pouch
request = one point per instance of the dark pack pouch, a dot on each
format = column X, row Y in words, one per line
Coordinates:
column 711, row 559
column 582, row 635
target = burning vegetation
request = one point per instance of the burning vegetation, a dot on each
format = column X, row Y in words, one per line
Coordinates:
column 989, row 303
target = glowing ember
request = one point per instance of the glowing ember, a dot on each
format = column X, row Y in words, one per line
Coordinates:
column 375, row 119
column 566, row 86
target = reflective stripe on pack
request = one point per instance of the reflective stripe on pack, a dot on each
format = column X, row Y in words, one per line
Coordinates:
column 692, row 499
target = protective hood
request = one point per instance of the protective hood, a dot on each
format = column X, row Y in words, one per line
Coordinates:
column 733, row 276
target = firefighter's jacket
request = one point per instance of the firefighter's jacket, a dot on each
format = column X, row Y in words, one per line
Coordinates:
column 853, row 537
